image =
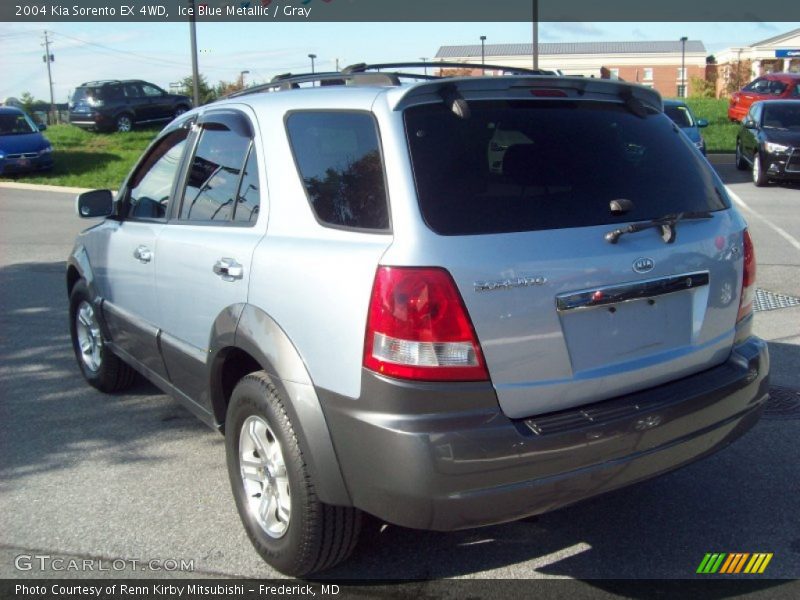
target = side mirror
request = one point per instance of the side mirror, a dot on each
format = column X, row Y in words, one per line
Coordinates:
column 96, row 203
column 749, row 124
column 702, row 123
column 42, row 126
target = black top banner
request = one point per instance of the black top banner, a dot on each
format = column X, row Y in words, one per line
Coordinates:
column 396, row 10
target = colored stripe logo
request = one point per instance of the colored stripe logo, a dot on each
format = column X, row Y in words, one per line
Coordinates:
column 734, row 563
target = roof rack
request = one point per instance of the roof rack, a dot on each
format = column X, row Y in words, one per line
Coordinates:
column 366, row 74
column 100, row 82
column 362, row 67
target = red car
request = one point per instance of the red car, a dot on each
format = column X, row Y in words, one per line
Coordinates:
column 785, row 86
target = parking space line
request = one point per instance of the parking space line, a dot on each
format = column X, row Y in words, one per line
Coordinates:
column 781, row 232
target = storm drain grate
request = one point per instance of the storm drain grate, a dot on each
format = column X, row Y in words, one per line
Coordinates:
column 771, row 301
column 783, row 404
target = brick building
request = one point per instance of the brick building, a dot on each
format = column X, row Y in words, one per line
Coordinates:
column 654, row 64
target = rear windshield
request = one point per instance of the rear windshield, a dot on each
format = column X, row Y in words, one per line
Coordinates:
column 533, row 165
column 84, row 93
column 108, row 92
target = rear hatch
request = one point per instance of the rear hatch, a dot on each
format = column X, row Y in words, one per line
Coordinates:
column 86, row 98
column 522, row 196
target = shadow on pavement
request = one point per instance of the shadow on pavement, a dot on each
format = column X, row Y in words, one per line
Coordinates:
column 49, row 417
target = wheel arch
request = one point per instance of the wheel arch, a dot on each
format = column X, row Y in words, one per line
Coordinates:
column 258, row 343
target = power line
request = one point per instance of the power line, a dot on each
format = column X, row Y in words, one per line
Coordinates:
column 108, row 48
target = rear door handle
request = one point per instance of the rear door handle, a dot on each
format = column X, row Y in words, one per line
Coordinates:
column 228, row 269
column 143, row 254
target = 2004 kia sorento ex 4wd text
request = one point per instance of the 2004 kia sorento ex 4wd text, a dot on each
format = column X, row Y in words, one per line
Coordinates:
column 391, row 311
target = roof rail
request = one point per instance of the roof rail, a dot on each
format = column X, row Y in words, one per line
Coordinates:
column 365, row 74
column 100, row 82
column 362, row 67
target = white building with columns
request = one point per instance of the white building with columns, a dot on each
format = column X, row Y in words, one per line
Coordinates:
column 780, row 53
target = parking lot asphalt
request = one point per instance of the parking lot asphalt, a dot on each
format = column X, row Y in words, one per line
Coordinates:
column 136, row 476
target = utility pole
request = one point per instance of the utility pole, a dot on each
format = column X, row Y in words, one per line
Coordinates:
column 483, row 54
column 48, row 58
column 683, row 67
column 535, row 34
column 195, row 71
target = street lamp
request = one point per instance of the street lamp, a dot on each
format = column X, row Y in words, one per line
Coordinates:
column 424, row 59
column 241, row 77
column 683, row 67
column 312, row 57
column 483, row 54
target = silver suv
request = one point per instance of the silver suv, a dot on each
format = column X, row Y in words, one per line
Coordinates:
column 439, row 303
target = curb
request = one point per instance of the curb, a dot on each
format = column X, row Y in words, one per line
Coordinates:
column 11, row 185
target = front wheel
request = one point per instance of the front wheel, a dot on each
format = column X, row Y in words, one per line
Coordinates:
column 759, row 175
column 100, row 367
column 274, row 492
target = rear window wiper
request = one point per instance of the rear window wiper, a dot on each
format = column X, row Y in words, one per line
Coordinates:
column 666, row 224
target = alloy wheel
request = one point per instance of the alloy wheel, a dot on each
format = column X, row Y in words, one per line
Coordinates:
column 264, row 477
column 124, row 124
column 90, row 339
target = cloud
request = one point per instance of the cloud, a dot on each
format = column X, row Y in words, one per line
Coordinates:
column 639, row 34
column 578, row 28
column 765, row 26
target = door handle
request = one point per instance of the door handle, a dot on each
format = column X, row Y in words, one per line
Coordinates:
column 228, row 269
column 143, row 254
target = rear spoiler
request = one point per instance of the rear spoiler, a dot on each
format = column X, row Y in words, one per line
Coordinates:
column 636, row 97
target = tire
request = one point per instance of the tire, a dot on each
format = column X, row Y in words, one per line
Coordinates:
column 100, row 367
column 741, row 163
column 124, row 123
column 759, row 175
column 292, row 531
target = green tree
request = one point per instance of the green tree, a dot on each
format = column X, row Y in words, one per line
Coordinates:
column 223, row 88
column 207, row 93
column 27, row 100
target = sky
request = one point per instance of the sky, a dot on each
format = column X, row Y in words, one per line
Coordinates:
column 160, row 52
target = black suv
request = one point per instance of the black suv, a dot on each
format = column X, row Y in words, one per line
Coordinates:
column 119, row 105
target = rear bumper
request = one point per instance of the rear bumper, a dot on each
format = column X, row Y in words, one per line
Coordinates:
column 93, row 120
column 410, row 458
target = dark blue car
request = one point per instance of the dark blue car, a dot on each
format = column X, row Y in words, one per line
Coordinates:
column 22, row 146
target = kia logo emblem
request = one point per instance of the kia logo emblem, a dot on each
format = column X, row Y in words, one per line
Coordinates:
column 643, row 265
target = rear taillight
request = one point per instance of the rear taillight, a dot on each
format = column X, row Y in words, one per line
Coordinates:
column 748, row 278
column 418, row 328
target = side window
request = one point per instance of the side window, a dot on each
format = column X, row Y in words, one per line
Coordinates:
column 113, row 93
column 213, row 182
column 751, row 87
column 776, row 88
column 248, row 200
column 151, row 90
column 132, row 90
column 151, row 184
column 338, row 156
